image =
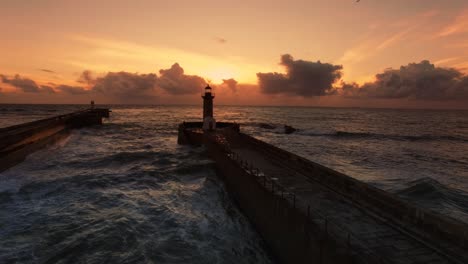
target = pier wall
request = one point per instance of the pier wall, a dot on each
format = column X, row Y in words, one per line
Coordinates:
column 16, row 142
column 191, row 133
column 427, row 224
column 294, row 232
column 288, row 232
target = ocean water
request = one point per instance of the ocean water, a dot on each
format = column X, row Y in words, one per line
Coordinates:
column 125, row 192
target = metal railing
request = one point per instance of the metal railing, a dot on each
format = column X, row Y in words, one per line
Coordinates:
column 344, row 237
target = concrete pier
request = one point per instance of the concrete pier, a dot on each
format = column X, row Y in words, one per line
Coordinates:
column 16, row 142
column 308, row 213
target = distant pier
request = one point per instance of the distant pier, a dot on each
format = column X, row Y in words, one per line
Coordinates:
column 16, row 142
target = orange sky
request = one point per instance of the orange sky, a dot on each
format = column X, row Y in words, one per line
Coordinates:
column 219, row 40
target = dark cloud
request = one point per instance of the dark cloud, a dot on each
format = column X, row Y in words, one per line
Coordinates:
column 174, row 81
column 46, row 70
column 86, row 77
column 303, row 78
column 231, row 83
column 25, row 84
column 47, row 89
column 418, row 81
column 221, row 40
column 125, row 86
column 74, row 90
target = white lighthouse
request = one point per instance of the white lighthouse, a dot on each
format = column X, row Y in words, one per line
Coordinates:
column 209, row 123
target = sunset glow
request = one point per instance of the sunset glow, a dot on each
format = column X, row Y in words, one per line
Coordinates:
column 52, row 42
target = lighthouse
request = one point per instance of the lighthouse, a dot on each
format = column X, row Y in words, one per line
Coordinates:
column 209, row 123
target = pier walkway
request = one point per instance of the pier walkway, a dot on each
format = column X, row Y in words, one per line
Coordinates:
column 365, row 223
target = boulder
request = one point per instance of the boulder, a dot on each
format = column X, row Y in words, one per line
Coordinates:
column 289, row 129
column 266, row 126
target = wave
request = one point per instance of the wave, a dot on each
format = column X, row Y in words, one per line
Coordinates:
column 124, row 158
column 279, row 128
column 5, row 197
column 189, row 169
column 366, row 135
column 4, row 109
column 432, row 192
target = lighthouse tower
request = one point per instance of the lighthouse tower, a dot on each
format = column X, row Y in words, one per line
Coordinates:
column 209, row 123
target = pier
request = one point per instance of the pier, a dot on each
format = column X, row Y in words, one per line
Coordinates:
column 308, row 213
column 16, row 142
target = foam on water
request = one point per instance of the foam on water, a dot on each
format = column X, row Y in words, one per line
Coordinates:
column 126, row 192
column 122, row 193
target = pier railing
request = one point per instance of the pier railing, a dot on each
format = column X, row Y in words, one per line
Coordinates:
column 424, row 225
column 330, row 230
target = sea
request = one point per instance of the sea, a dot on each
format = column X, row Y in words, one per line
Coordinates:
column 125, row 192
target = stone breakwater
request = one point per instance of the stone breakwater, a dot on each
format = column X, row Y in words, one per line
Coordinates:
column 16, row 142
column 309, row 213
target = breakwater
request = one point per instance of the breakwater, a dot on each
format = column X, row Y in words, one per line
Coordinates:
column 17, row 141
column 309, row 213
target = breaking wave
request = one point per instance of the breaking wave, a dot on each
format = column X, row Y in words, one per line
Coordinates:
column 126, row 193
column 123, row 192
column 338, row 134
column 365, row 135
column 435, row 195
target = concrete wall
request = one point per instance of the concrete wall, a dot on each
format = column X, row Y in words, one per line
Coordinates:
column 424, row 223
column 12, row 158
column 295, row 239
column 191, row 133
column 16, row 142
column 290, row 233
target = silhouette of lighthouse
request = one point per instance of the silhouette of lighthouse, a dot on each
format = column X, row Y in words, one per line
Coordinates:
column 209, row 123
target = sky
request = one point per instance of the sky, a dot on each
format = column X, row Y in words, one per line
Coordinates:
column 339, row 53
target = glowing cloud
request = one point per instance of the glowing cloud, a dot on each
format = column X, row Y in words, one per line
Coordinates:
column 302, row 78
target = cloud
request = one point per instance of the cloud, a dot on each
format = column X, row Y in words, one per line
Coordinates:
column 74, row 90
column 418, row 81
column 220, row 40
column 25, row 84
column 124, row 85
column 421, row 81
column 458, row 25
column 86, row 77
column 119, row 86
column 174, row 81
column 47, row 89
column 46, row 70
column 302, row 78
column 231, row 84
column 386, row 36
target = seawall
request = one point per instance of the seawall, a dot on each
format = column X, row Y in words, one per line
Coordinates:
column 16, row 142
column 360, row 223
column 288, row 232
